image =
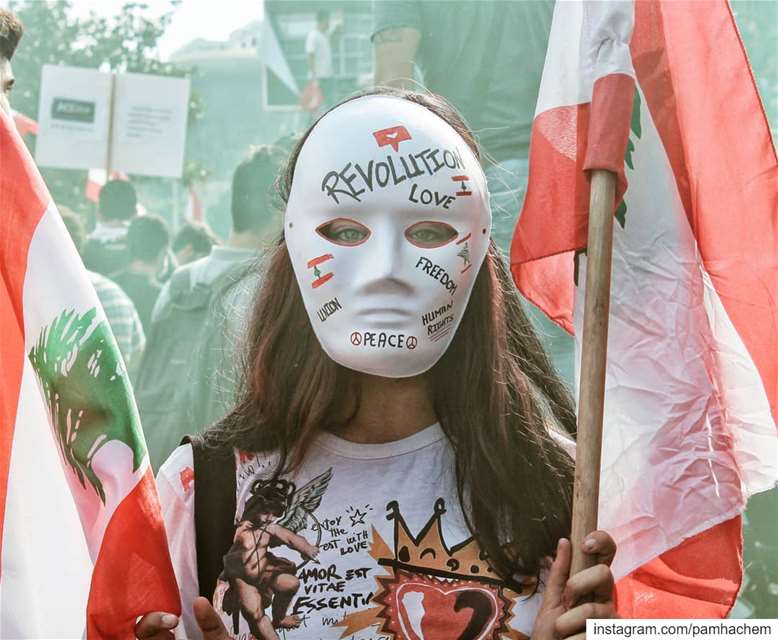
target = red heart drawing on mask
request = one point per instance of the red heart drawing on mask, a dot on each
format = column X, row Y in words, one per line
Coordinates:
column 446, row 612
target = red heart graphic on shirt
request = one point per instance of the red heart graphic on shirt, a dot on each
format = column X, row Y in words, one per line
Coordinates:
column 446, row 612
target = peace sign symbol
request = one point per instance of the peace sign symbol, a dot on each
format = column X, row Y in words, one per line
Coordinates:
column 411, row 342
column 356, row 338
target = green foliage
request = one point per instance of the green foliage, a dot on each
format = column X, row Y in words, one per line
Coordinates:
column 54, row 34
column 87, row 392
column 636, row 131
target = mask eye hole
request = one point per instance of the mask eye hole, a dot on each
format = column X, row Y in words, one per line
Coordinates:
column 344, row 232
column 430, row 234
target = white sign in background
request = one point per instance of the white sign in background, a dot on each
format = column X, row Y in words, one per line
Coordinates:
column 73, row 118
column 149, row 121
column 149, row 127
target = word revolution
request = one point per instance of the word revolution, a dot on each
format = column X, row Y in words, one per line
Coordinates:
column 354, row 179
column 437, row 272
column 328, row 309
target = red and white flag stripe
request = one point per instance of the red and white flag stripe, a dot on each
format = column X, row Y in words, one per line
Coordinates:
column 692, row 380
column 59, row 362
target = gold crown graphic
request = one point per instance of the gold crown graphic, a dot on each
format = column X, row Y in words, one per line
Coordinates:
column 428, row 552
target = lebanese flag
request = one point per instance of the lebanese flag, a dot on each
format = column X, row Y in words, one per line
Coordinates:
column 692, row 379
column 71, row 446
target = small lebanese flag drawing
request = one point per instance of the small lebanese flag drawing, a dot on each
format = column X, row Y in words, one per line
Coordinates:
column 78, row 502
column 464, row 191
column 320, row 278
column 692, row 379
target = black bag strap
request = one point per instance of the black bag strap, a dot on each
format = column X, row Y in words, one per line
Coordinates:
column 214, row 514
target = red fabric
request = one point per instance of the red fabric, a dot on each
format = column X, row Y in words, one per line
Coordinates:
column 25, row 124
column 699, row 578
column 699, row 88
column 312, row 97
column 611, row 111
column 92, row 190
column 196, row 206
column 133, row 574
column 565, row 142
column 23, row 201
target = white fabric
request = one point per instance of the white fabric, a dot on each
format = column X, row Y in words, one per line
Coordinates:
column 589, row 40
column 354, row 535
column 390, row 304
column 686, row 413
column 46, row 564
column 318, row 44
column 273, row 57
column 57, row 281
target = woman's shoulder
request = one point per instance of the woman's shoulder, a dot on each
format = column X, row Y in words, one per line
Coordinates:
column 181, row 458
column 176, row 474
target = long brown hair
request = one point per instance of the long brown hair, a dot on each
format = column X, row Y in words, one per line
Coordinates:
column 495, row 394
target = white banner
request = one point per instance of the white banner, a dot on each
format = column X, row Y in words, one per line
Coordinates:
column 73, row 118
column 148, row 120
column 149, row 129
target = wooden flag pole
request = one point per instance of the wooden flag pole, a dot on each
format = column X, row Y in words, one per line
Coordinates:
column 593, row 360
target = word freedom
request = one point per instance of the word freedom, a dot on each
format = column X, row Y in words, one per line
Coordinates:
column 354, row 179
column 439, row 273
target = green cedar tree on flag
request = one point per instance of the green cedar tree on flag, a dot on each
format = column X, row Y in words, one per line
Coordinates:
column 691, row 394
column 67, row 421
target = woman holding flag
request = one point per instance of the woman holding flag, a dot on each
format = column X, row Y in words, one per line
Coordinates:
column 397, row 462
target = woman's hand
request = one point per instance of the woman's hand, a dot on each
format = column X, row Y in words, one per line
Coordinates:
column 559, row 616
column 160, row 625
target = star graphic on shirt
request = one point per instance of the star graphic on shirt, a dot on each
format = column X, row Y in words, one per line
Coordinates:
column 358, row 517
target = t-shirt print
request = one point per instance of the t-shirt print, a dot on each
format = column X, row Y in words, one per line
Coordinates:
column 310, row 560
column 363, row 542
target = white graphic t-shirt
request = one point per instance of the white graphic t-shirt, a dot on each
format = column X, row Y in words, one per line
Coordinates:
column 364, row 542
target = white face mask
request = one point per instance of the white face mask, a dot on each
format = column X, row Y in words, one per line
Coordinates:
column 387, row 225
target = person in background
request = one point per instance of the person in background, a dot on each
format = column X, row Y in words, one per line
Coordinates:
column 318, row 51
column 487, row 59
column 148, row 240
column 105, row 249
column 181, row 322
column 11, row 31
column 192, row 242
column 119, row 309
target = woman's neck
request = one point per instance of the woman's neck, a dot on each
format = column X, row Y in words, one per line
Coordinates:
column 390, row 409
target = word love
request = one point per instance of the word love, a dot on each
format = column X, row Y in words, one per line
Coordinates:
column 381, row 340
column 439, row 273
column 354, row 178
column 426, row 196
